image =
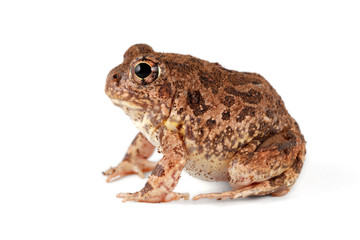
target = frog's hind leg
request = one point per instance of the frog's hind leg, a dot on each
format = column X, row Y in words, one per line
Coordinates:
column 277, row 186
column 271, row 169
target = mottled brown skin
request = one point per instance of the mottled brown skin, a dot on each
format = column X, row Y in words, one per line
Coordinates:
column 217, row 124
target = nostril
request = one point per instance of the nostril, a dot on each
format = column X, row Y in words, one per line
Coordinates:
column 116, row 79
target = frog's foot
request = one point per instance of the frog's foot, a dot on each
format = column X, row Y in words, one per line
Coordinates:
column 152, row 198
column 252, row 190
column 224, row 195
column 127, row 168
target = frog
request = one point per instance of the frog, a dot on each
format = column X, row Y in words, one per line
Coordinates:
column 214, row 123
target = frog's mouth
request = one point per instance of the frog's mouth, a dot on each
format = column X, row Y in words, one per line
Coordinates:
column 124, row 104
column 131, row 109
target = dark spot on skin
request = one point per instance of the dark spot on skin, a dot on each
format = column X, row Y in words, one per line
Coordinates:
column 229, row 131
column 165, row 90
column 287, row 151
column 237, row 80
column 211, row 81
column 278, row 180
column 200, row 133
column 266, row 130
column 229, row 101
column 210, row 123
column 248, row 158
column 297, row 166
column 189, row 132
column 246, row 111
column 146, row 189
column 280, row 107
column 116, row 79
column 175, row 67
column 252, row 129
column 185, row 68
column 177, row 150
column 291, row 142
column 282, row 141
column 232, row 91
column 269, row 97
column 226, row 115
column 200, row 149
column 181, row 110
column 155, row 119
column 158, row 171
column 218, row 138
column 269, row 113
column 195, row 63
column 179, row 126
column 286, row 145
column 252, row 96
column 263, row 126
column 256, row 82
column 196, row 102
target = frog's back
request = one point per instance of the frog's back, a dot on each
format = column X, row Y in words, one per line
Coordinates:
column 222, row 111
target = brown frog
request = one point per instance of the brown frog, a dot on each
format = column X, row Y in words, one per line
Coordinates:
column 217, row 124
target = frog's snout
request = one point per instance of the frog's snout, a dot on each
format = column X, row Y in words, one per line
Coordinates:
column 113, row 81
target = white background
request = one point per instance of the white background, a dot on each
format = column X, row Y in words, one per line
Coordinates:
column 59, row 131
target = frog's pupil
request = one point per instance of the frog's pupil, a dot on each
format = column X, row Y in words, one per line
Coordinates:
column 143, row 70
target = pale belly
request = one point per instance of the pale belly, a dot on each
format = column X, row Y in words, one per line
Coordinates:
column 207, row 169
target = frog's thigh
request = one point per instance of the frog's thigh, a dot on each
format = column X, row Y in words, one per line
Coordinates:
column 271, row 169
column 270, row 159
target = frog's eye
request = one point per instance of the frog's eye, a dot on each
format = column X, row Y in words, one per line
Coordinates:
column 145, row 72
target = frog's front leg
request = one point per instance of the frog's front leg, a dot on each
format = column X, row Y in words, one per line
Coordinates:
column 135, row 161
column 165, row 176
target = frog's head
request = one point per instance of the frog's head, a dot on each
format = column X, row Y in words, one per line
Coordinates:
column 140, row 86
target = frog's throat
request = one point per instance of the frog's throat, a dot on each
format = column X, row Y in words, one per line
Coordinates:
column 140, row 119
column 134, row 111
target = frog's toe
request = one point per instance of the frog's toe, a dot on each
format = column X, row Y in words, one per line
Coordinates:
column 123, row 169
column 218, row 196
column 136, row 197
